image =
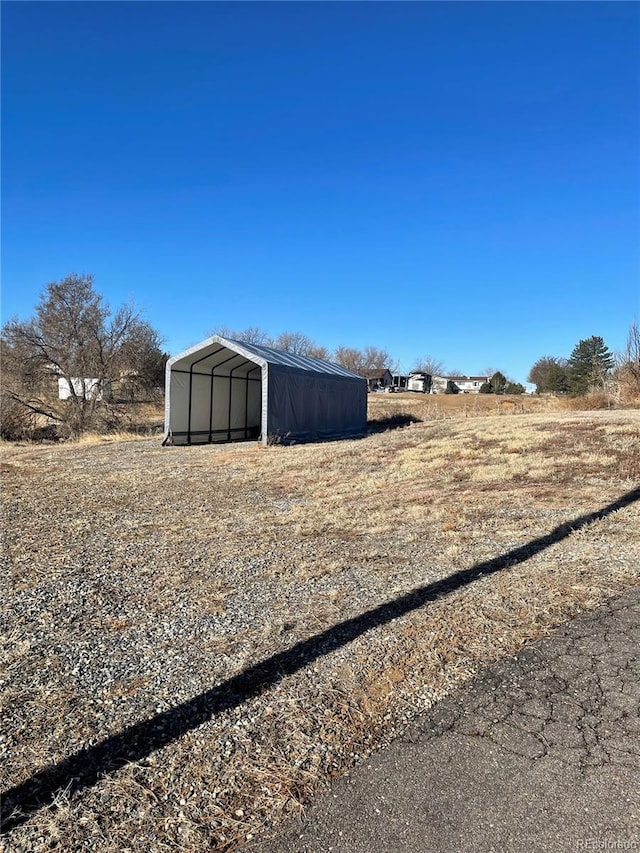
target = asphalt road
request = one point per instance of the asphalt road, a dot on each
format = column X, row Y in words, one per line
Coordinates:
column 540, row 752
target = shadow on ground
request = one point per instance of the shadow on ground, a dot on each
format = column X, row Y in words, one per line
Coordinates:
column 395, row 421
column 87, row 766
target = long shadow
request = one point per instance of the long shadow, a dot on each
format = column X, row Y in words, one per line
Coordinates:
column 395, row 421
column 84, row 768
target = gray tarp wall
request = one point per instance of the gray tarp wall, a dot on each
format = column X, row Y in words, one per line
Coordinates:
column 224, row 390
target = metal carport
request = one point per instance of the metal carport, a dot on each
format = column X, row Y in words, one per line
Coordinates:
column 224, row 390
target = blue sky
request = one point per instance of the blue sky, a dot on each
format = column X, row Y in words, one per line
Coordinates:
column 458, row 179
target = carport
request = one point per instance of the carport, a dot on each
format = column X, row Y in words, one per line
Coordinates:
column 223, row 390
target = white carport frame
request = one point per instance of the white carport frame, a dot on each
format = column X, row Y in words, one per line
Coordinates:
column 223, row 390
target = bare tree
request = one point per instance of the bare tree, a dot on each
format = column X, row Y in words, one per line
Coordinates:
column 429, row 364
column 370, row 358
column 250, row 335
column 142, row 363
column 628, row 363
column 26, row 394
column 294, row 342
column 299, row 344
column 319, row 351
column 255, row 335
column 377, row 359
column 349, row 358
column 74, row 336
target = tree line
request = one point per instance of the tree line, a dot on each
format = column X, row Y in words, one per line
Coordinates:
column 590, row 368
column 362, row 360
column 75, row 337
column 351, row 358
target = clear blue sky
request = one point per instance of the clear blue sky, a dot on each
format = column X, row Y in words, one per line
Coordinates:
column 458, row 179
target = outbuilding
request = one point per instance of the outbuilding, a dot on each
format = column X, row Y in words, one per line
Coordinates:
column 378, row 378
column 85, row 388
column 223, row 390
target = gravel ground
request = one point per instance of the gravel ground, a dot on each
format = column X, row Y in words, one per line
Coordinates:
column 197, row 639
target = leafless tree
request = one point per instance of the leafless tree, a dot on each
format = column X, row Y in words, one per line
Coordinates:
column 378, row 359
column 429, row 364
column 348, row 357
column 250, row 335
column 628, row 363
column 300, row 344
column 318, row 351
column 294, row 342
column 75, row 336
column 370, row 358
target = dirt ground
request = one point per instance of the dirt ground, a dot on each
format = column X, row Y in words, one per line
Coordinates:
column 197, row 639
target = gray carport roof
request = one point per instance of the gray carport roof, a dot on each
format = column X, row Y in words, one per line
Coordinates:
column 255, row 353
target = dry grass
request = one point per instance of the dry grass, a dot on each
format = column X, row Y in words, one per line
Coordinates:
column 427, row 407
column 116, row 436
column 140, row 577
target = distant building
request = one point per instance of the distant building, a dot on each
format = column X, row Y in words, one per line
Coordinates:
column 419, row 381
column 378, row 380
column 85, row 388
column 458, row 384
column 400, row 382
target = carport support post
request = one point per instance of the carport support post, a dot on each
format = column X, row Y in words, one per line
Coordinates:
column 211, row 408
column 189, row 410
column 230, row 387
column 246, row 403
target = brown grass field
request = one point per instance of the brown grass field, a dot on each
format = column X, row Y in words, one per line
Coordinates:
column 195, row 640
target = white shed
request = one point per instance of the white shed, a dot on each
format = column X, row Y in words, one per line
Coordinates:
column 224, row 390
column 86, row 388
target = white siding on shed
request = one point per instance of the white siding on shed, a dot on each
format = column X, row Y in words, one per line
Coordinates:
column 87, row 388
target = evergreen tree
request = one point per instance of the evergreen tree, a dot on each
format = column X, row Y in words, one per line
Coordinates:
column 558, row 378
column 498, row 383
column 589, row 364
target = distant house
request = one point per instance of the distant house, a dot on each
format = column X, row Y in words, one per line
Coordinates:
column 400, row 382
column 419, row 381
column 378, row 380
column 458, row 384
column 85, row 388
